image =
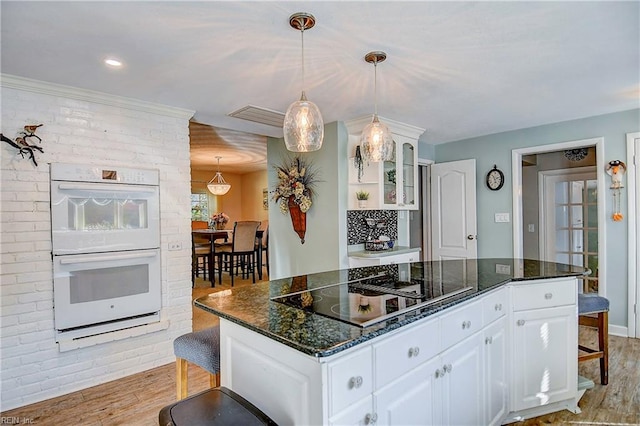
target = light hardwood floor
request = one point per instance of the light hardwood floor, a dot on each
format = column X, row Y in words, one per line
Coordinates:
column 137, row 399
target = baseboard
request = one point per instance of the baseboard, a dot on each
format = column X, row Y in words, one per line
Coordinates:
column 618, row 330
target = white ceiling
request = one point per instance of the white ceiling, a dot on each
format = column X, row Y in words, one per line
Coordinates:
column 457, row 69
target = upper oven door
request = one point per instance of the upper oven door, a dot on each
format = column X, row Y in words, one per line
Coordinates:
column 103, row 217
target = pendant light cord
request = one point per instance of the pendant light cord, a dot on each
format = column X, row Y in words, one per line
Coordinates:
column 303, row 82
column 375, row 87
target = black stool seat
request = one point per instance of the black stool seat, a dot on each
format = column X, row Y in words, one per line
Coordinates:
column 219, row 406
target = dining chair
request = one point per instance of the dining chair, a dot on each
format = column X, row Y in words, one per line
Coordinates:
column 242, row 249
column 265, row 247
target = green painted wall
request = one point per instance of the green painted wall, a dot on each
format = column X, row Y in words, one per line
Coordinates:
column 496, row 239
column 325, row 246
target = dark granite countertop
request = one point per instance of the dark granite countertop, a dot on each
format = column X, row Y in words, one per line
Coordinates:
column 316, row 335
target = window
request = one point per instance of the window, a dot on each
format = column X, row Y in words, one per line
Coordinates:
column 200, row 206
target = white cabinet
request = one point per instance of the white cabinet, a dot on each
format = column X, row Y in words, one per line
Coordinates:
column 544, row 345
column 495, row 369
column 463, row 383
column 393, row 184
column 384, row 259
column 415, row 399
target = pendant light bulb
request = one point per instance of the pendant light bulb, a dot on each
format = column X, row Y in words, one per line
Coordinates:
column 303, row 125
column 217, row 185
column 376, row 140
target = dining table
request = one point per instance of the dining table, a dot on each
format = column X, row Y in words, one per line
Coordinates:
column 224, row 234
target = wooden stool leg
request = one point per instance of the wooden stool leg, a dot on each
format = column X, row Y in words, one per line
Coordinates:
column 603, row 344
column 182, row 370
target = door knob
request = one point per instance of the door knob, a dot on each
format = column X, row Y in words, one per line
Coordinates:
column 470, row 237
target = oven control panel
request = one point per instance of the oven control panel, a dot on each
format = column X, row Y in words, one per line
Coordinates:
column 103, row 174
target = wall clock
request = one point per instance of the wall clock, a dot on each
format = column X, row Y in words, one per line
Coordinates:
column 495, row 178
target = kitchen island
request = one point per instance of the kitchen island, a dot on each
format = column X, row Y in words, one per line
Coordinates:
column 404, row 343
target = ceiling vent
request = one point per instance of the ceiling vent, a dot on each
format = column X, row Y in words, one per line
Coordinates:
column 259, row 115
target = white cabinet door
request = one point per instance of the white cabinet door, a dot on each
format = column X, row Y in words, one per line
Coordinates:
column 463, row 383
column 358, row 414
column 411, row 400
column 545, row 346
column 495, row 367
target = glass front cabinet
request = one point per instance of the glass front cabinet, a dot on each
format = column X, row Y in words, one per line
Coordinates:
column 392, row 184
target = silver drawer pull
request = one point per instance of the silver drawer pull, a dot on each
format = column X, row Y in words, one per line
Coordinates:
column 466, row 324
column 355, row 382
column 447, row 368
column 414, row 351
column 520, row 322
column 548, row 296
column 498, row 306
column 439, row 373
column 370, row 419
column 488, row 340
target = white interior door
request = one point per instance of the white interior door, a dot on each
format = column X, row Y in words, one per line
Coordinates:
column 453, row 210
column 569, row 217
column 633, row 183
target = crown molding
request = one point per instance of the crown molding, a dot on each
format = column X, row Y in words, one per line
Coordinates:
column 356, row 125
column 52, row 89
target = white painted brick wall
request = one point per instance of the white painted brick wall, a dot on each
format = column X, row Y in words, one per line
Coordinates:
column 92, row 128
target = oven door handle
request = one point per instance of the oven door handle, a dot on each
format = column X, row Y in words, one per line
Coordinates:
column 106, row 258
column 104, row 187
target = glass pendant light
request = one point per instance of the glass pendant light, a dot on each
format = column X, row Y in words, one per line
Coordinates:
column 217, row 185
column 376, row 140
column 303, row 125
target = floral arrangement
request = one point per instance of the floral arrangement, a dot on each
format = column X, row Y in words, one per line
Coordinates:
column 296, row 178
column 362, row 195
column 220, row 218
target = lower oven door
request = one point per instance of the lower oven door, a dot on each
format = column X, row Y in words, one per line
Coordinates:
column 89, row 289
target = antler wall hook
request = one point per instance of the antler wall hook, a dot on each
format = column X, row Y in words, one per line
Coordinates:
column 22, row 143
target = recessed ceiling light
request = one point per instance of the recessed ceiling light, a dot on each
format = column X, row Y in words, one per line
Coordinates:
column 113, row 62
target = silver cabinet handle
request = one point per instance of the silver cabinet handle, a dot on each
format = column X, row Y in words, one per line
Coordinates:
column 488, row 340
column 355, row 382
column 520, row 322
column 447, row 368
column 498, row 306
column 548, row 296
column 414, row 351
column 370, row 419
column 439, row 373
column 466, row 324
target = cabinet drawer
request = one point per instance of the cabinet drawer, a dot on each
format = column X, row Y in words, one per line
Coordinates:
column 544, row 295
column 350, row 379
column 405, row 351
column 494, row 306
column 460, row 324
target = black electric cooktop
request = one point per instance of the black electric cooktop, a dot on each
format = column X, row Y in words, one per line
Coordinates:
column 366, row 301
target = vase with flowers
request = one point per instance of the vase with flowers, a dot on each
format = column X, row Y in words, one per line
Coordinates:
column 219, row 220
column 295, row 191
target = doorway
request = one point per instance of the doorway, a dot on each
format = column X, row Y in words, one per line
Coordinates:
column 569, row 220
column 633, row 184
column 528, row 221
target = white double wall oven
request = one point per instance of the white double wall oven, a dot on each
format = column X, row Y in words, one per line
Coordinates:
column 106, row 248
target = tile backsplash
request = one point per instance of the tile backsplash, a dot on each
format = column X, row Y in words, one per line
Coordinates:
column 358, row 231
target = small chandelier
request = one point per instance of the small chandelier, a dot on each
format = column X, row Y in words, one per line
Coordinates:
column 217, row 185
column 303, row 125
column 376, row 140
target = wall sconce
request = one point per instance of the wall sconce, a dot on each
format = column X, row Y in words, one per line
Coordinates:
column 217, row 185
column 616, row 169
column 376, row 140
column 303, row 125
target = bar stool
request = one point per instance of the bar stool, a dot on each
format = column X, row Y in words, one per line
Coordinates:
column 588, row 305
column 201, row 348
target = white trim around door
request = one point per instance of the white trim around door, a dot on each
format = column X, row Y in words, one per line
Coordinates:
column 516, row 173
column 633, row 213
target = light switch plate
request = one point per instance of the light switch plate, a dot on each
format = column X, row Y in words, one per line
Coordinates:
column 502, row 217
